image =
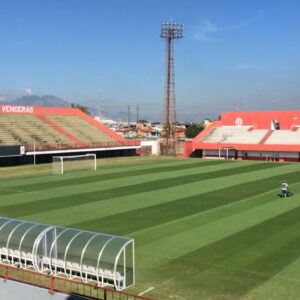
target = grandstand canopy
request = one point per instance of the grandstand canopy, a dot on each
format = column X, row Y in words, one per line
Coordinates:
column 89, row 256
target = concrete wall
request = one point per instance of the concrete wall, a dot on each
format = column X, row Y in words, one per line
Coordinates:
column 257, row 155
column 153, row 144
column 215, row 153
column 12, row 290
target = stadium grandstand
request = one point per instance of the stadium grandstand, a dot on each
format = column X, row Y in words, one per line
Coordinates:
column 30, row 134
column 262, row 135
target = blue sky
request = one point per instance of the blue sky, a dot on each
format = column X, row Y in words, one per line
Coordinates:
column 235, row 54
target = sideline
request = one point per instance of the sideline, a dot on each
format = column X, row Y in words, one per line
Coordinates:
column 146, row 291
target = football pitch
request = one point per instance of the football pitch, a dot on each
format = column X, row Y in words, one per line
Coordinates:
column 203, row 229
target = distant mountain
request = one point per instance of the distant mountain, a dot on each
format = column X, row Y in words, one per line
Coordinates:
column 46, row 100
column 118, row 115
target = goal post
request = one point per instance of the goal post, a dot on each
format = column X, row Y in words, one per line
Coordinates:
column 62, row 164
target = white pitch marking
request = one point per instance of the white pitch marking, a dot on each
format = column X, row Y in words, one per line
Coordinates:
column 146, row 291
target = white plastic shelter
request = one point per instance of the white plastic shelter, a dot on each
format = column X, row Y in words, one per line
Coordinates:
column 89, row 256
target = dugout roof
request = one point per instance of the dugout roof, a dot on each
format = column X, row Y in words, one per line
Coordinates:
column 89, row 256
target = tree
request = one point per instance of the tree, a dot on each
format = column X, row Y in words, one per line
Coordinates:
column 81, row 107
column 193, row 130
column 142, row 122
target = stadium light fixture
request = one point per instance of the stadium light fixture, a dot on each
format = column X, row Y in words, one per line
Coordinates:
column 170, row 31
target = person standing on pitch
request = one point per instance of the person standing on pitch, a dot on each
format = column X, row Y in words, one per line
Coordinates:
column 284, row 188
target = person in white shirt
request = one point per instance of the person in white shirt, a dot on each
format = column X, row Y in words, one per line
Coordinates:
column 284, row 188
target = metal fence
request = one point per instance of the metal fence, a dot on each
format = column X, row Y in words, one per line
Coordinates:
column 59, row 284
column 62, row 146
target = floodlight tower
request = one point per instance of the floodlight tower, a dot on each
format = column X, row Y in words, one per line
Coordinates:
column 170, row 32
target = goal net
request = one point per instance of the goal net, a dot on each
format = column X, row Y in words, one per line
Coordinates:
column 62, row 164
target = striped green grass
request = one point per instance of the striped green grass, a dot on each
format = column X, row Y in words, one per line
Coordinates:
column 203, row 229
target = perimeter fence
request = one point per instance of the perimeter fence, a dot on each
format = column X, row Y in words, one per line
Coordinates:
column 59, row 284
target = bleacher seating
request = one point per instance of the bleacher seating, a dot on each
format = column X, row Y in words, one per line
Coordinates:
column 242, row 135
column 248, row 137
column 258, row 135
column 235, row 135
column 223, row 133
column 27, row 129
column 44, row 128
column 284, row 137
column 81, row 129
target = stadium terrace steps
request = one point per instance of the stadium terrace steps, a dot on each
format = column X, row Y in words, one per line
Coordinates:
column 81, row 129
column 47, row 128
column 16, row 129
column 61, row 130
column 272, row 135
column 249, row 137
column 220, row 134
column 235, row 134
column 106, row 130
column 285, row 137
column 267, row 135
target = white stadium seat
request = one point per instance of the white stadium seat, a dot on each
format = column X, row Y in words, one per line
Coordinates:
column 91, row 270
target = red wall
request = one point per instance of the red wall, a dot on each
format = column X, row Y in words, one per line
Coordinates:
column 187, row 149
column 36, row 110
column 262, row 119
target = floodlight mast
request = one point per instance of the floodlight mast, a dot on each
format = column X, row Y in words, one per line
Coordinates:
column 170, row 32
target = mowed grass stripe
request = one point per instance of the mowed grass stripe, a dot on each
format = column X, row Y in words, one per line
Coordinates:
column 258, row 260
column 182, row 225
column 177, row 237
column 33, row 173
column 201, row 262
column 110, row 207
column 284, row 285
column 51, row 192
column 131, row 221
column 89, row 197
column 240, row 282
column 62, row 182
column 173, row 246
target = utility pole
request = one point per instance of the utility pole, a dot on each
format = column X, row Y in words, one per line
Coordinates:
column 34, row 150
column 137, row 113
column 100, row 107
column 129, row 107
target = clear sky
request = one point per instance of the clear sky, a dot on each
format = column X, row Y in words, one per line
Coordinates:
column 235, row 54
